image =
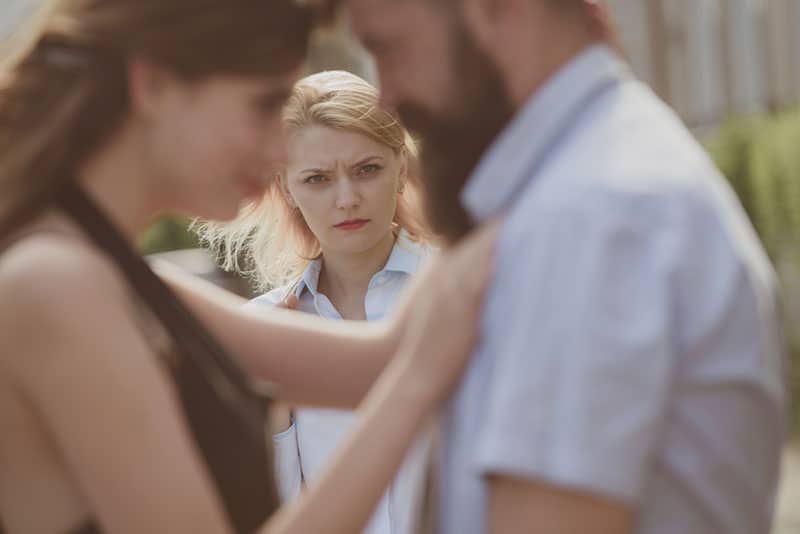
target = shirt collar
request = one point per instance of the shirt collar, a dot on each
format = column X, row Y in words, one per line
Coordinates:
column 529, row 137
column 404, row 258
column 405, row 255
column 310, row 278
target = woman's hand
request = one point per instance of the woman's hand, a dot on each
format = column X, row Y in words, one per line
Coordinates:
column 289, row 303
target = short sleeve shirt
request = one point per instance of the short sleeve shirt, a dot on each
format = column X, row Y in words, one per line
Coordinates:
column 629, row 345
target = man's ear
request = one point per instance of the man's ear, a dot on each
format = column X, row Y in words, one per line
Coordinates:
column 489, row 19
column 601, row 25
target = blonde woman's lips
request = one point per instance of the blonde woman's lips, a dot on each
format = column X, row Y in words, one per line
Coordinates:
column 352, row 224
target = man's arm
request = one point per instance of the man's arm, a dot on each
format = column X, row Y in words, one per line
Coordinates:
column 518, row 506
column 577, row 325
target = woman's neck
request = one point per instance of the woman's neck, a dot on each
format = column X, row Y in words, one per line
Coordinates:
column 116, row 180
column 345, row 278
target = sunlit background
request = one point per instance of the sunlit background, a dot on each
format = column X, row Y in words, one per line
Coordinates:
column 731, row 69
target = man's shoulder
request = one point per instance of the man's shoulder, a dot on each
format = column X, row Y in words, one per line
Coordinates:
column 629, row 160
column 629, row 142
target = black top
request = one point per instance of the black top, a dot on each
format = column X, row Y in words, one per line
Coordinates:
column 225, row 415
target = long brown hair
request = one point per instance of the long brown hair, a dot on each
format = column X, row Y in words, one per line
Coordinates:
column 63, row 80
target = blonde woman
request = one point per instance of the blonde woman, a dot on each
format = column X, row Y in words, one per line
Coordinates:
column 337, row 235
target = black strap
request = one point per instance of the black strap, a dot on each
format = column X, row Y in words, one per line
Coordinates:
column 191, row 338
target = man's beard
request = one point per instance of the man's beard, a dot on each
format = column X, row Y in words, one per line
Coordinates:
column 452, row 145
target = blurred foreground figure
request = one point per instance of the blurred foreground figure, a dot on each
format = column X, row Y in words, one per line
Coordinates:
column 126, row 407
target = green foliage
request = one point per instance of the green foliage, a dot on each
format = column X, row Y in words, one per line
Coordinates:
column 168, row 233
column 761, row 158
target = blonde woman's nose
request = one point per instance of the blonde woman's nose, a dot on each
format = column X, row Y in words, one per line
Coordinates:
column 347, row 195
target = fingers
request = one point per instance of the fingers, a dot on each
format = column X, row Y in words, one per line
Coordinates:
column 290, row 303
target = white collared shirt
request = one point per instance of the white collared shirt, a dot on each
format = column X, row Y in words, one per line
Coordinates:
column 308, row 444
column 629, row 345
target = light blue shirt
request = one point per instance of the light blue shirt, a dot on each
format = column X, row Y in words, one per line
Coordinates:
column 309, row 443
column 629, row 345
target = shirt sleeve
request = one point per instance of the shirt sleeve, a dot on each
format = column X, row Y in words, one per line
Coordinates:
column 288, row 470
column 576, row 324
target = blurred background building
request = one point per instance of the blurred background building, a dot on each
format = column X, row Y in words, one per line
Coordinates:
column 709, row 59
column 714, row 58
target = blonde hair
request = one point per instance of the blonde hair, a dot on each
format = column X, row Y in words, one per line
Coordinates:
column 64, row 86
column 269, row 241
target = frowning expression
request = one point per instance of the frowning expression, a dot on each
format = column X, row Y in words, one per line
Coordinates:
column 345, row 184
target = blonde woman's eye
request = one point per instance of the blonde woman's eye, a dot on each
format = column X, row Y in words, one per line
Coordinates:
column 314, row 179
column 370, row 168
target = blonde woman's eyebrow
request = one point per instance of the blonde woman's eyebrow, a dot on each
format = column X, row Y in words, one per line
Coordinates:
column 366, row 160
column 315, row 171
column 360, row 162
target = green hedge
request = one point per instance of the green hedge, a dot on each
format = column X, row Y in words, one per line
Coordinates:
column 761, row 158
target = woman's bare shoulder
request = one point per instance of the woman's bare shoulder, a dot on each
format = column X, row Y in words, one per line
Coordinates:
column 51, row 282
column 78, row 357
column 52, row 266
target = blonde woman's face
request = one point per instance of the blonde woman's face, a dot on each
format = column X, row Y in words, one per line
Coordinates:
column 345, row 185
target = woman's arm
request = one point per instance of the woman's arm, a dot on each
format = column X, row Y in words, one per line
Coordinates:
column 309, row 360
column 116, row 421
column 345, row 496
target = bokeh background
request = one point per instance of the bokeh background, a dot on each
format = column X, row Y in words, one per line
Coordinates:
column 730, row 68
